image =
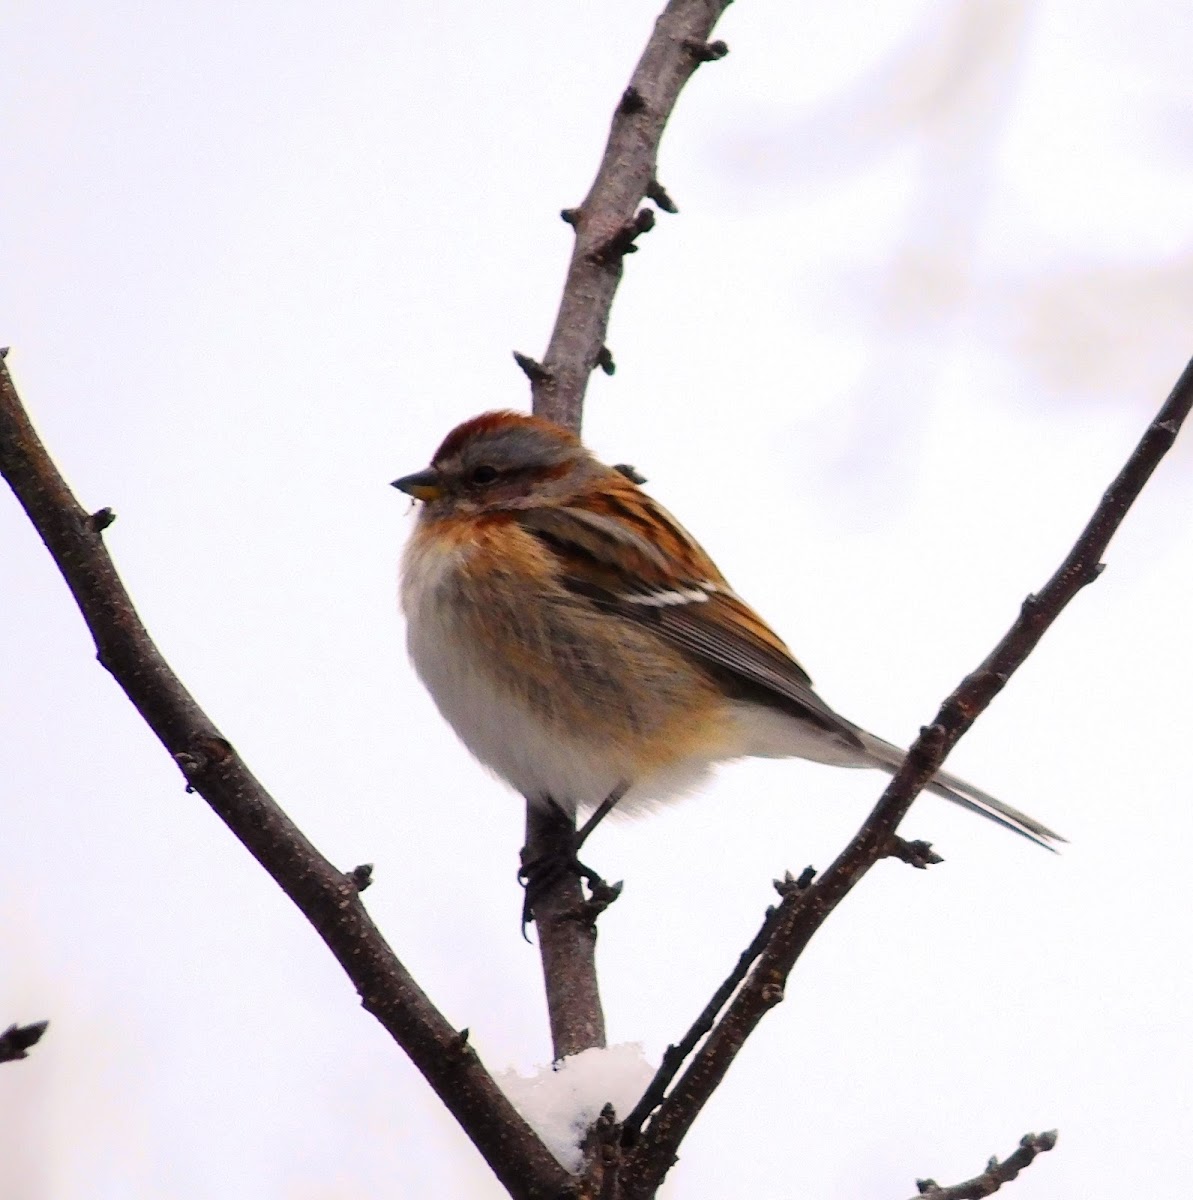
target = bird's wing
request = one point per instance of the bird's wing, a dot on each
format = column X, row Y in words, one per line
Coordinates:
column 627, row 555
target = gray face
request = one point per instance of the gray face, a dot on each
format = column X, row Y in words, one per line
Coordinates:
column 502, row 461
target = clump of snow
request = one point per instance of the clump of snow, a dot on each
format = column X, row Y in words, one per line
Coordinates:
column 560, row 1102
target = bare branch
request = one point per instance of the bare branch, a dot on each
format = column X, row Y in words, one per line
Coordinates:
column 609, row 220
column 567, row 939
column 675, row 1056
column 996, row 1173
column 17, row 1040
column 607, row 225
column 327, row 897
column 799, row 917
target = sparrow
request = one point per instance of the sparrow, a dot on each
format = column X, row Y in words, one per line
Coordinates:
column 587, row 650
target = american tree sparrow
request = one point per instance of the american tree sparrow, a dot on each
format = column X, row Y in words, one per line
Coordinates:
column 583, row 645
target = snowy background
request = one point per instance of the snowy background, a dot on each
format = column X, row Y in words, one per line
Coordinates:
column 932, row 274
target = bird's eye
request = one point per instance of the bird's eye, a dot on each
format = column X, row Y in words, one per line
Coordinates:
column 483, row 474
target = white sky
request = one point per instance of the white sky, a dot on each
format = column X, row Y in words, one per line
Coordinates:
column 932, row 274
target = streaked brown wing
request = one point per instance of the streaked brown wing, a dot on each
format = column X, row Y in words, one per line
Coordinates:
column 743, row 652
column 634, row 560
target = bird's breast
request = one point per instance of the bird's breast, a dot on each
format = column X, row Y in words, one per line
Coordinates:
column 557, row 698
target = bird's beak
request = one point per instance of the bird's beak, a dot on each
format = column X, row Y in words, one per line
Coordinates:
column 422, row 485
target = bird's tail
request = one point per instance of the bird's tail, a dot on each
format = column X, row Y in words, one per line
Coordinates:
column 890, row 758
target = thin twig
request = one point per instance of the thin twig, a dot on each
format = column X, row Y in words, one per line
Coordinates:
column 328, row 898
column 655, row 1152
column 607, row 225
column 996, row 1173
column 17, row 1040
column 676, row 1055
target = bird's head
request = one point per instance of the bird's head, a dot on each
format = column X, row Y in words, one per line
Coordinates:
column 502, row 461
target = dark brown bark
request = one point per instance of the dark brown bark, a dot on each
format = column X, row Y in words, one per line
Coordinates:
column 803, row 912
column 609, row 222
column 17, row 1040
column 567, row 941
column 327, row 897
column 622, row 1162
column 1031, row 1145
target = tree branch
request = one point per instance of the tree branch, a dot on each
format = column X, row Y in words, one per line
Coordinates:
column 676, row 1055
column 996, row 1173
column 801, row 914
column 17, row 1040
column 607, row 225
column 328, row 898
column 567, row 934
column 609, row 221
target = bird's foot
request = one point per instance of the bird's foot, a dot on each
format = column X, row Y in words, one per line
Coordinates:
column 539, row 876
column 556, row 855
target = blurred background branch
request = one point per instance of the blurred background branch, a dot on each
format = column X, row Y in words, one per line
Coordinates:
column 1031, row 1145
